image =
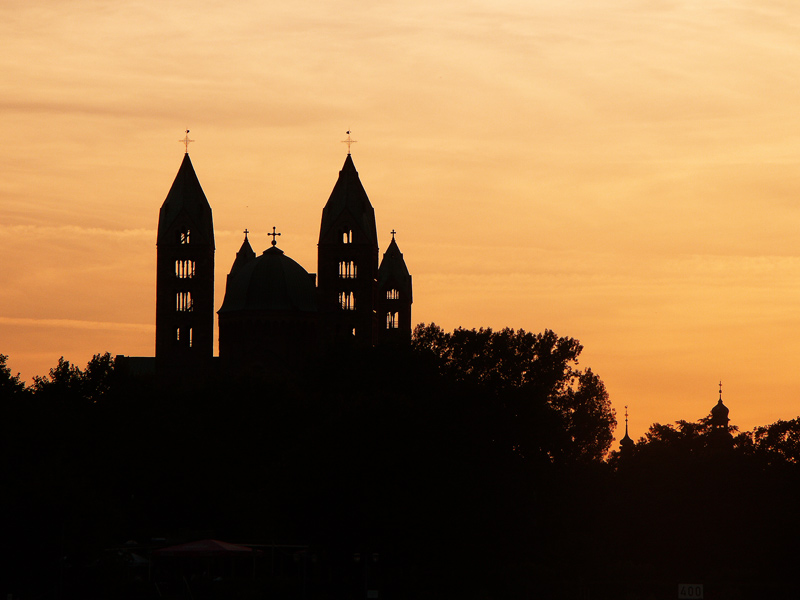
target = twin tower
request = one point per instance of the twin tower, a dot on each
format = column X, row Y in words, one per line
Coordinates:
column 275, row 314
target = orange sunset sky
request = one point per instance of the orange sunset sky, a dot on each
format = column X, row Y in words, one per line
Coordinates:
column 623, row 172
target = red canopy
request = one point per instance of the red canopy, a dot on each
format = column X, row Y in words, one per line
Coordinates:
column 203, row 548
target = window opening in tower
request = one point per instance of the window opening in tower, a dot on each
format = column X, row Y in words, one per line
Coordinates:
column 183, row 301
column 184, row 269
column 347, row 300
column 347, row 269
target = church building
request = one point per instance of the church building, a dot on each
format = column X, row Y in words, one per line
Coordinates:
column 275, row 314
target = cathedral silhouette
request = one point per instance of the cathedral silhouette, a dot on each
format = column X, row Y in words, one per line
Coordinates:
column 275, row 314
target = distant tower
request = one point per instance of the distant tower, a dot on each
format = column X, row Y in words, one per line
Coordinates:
column 394, row 297
column 347, row 264
column 720, row 436
column 626, row 444
column 185, row 274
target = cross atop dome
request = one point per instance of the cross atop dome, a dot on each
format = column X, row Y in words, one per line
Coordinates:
column 274, row 236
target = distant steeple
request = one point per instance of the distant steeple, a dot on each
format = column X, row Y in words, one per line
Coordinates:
column 719, row 414
column 626, row 444
column 720, row 436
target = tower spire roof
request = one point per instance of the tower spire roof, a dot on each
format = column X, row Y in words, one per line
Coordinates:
column 186, row 197
column 393, row 269
column 626, row 443
column 349, row 202
column 244, row 255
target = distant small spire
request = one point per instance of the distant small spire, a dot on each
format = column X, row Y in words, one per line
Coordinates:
column 274, row 235
column 348, row 141
column 186, row 141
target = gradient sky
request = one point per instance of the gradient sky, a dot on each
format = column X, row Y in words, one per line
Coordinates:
column 622, row 172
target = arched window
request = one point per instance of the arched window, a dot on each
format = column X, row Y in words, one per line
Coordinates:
column 184, row 269
column 347, row 269
column 183, row 301
column 392, row 294
column 391, row 320
column 183, row 235
column 347, row 300
column 347, row 236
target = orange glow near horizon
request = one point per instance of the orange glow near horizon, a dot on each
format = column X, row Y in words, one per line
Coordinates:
column 624, row 173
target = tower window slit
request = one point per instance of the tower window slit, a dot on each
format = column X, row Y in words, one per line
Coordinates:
column 347, row 269
column 391, row 320
column 347, row 236
column 184, row 269
column 183, row 235
column 347, row 300
column 183, row 301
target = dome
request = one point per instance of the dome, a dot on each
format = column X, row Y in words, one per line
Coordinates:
column 272, row 282
column 720, row 410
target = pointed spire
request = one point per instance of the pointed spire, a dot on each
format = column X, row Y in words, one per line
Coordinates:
column 243, row 256
column 186, row 199
column 626, row 444
column 348, row 205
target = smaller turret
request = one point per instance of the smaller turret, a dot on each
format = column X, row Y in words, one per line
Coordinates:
column 394, row 297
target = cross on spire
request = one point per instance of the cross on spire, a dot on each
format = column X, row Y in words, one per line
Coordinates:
column 245, row 233
column 186, row 141
column 393, row 232
column 274, row 236
column 348, row 141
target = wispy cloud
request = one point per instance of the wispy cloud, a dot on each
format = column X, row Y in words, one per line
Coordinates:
column 76, row 324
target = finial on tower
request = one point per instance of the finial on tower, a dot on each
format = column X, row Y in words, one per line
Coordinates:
column 626, row 419
column 186, row 141
column 393, row 232
column 348, row 141
column 720, row 391
column 245, row 234
column 274, row 236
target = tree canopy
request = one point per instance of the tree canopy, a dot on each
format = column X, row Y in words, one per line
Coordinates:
column 547, row 404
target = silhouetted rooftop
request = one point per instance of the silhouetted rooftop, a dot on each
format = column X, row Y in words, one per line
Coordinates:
column 273, row 281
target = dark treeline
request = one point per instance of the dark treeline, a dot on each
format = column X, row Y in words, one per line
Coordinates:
column 474, row 464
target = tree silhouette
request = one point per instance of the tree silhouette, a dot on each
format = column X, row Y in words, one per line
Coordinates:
column 10, row 385
column 547, row 406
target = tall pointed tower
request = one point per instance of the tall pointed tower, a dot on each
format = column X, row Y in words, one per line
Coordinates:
column 394, row 297
column 347, row 265
column 185, row 275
